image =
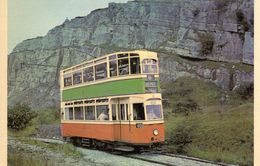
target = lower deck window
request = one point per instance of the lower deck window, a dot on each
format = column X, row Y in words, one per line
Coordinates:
column 126, row 112
column 90, row 113
column 153, row 112
column 78, row 113
column 102, row 112
column 69, row 113
column 122, row 111
column 114, row 112
column 138, row 111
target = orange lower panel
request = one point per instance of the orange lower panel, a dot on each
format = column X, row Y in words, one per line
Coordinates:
column 115, row 132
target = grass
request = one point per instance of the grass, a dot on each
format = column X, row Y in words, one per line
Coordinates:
column 67, row 148
column 45, row 116
column 23, row 160
column 230, row 66
column 195, row 89
column 219, row 132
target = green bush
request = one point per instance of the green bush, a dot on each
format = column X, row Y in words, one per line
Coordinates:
column 207, row 42
column 241, row 19
column 180, row 138
column 246, row 90
column 195, row 12
column 19, row 116
column 186, row 106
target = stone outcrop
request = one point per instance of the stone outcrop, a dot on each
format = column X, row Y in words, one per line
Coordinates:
column 211, row 40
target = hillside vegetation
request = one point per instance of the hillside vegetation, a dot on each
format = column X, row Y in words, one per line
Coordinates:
column 42, row 117
column 206, row 122
column 201, row 120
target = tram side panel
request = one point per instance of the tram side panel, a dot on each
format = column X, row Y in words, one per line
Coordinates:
column 94, row 131
column 105, row 132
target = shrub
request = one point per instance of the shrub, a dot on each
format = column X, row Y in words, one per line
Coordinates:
column 185, row 106
column 195, row 12
column 19, row 116
column 246, row 90
column 181, row 137
column 242, row 20
column 207, row 42
column 240, row 16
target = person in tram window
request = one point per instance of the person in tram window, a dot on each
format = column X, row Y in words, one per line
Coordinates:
column 103, row 115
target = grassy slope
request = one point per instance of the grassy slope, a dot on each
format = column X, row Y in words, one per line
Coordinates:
column 45, row 116
column 220, row 132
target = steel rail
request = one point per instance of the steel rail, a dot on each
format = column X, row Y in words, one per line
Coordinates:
column 139, row 157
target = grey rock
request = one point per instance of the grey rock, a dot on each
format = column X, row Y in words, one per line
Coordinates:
column 248, row 48
column 222, row 78
column 172, row 27
column 240, row 77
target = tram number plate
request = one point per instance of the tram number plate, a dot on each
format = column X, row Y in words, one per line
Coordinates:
column 139, row 125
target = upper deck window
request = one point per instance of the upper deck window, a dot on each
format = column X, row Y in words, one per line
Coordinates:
column 67, row 80
column 123, row 66
column 134, row 54
column 149, row 66
column 135, row 65
column 113, row 68
column 112, row 57
column 153, row 112
column 77, row 77
column 88, row 74
column 122, row 55
column 101, row 71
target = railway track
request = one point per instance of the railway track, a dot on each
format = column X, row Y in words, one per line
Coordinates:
column 194, row 159
column 157, row 157
column 172, row 159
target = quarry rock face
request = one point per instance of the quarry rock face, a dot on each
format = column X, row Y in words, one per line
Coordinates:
column 211, row 40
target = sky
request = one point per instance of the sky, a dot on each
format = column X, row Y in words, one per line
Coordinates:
column 31, row 18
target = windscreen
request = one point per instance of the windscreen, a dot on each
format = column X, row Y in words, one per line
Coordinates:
column 153, row 112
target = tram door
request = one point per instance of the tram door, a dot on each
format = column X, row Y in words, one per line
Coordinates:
column 120, row 116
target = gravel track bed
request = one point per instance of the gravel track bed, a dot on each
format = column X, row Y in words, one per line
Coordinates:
column 171, row 160
column 90, row 157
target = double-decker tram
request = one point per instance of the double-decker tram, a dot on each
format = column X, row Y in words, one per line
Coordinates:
column 113, row 101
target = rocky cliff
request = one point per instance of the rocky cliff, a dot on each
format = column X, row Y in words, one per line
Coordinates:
column 208, row 39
